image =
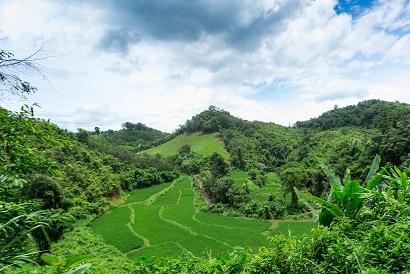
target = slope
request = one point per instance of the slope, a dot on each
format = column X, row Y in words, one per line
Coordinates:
column 203, row 144
column 168, row 224
column 132, row 137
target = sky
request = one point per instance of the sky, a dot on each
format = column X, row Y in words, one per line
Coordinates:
column 161, row 62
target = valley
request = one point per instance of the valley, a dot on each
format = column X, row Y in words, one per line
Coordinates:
column 167, row 224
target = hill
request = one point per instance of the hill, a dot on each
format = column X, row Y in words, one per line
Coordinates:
column 49, row 181
column 61, row 193
column 203, row 144
column 369, row 114
column 132, row 137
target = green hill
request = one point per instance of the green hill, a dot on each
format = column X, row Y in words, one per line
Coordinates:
column 50, row 179
column 368, row 114
column 132, row 137
column 203, row 144
column 64, row 181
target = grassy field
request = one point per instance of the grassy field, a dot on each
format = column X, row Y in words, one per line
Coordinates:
column 162, row 221
column 113, row 227
column 144, row 193
column 203, row 144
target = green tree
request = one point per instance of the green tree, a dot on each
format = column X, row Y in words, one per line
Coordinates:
column 237, row 159
column 47, row 190
column 294, row 177
column 217, row 165
column 82, row 136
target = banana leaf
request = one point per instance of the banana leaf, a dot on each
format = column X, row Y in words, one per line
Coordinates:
column 353, row 197
column 373, row 169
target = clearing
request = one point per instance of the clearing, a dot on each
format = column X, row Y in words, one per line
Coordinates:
column 203, row 144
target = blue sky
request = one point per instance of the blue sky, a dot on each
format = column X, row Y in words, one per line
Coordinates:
column 160, row 62
column 354, row 7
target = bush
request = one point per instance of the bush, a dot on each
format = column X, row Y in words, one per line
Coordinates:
column 48, row 191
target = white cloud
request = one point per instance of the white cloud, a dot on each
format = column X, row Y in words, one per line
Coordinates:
column 315, row 54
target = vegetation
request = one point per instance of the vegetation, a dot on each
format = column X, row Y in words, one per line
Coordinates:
column 48, row 179
column 133, row 228
column 132, row 137
column 202, row 144
column 368, row 242
column 220, row 195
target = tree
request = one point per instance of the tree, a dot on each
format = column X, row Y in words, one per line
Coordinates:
column 11, row 66
column 294, row 177
column 237, row 159
column 82, row 136
column 185, row 150
column 218, row 166
column 46, row 189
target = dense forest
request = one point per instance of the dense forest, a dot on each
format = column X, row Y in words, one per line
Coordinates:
column 348, row 169
column 131, row 138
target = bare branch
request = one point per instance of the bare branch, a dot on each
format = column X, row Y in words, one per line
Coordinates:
column 10, row 69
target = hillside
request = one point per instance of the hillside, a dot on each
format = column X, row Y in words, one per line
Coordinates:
column 242, row 182
column 132, row 137
column 49, row 181
column 368, row 114
column 203, row 144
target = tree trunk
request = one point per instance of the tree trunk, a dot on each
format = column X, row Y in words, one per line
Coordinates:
column 294, row 201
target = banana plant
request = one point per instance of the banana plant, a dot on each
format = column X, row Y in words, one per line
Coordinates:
column 346, row 196
column 398, row 179
column 65, row 265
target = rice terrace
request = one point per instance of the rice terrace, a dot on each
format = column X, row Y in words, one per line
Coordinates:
column 162, row 220
column 223, row 137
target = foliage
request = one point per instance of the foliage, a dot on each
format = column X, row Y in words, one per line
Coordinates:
column 64, row 265
column 48, row 191
column 371, row 113
column 217, row 166
column 345, row 199
column 26, row 230
column 212, row 120
column 188, row 161
column 375, row 240
column 296, row 177
column 47, row 178
column 132, row 138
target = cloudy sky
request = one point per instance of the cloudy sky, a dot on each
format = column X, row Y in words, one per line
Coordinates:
column 160, row 62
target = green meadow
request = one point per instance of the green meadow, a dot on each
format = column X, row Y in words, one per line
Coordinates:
column 203, row 144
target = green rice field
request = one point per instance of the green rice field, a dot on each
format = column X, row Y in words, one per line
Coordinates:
column 161, row 220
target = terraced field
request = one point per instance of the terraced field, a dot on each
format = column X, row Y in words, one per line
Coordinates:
column 162, row 221
column 203, row 144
